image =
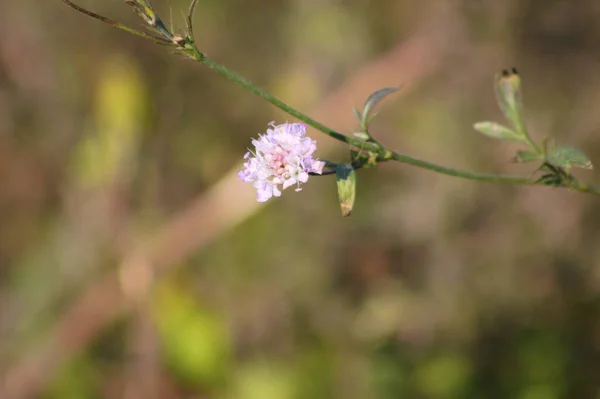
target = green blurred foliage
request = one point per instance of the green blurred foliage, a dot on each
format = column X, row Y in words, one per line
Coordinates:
column 77, row 380
column 194, row 340
column 433, row 288
column 443, row 377
column 120, row 109
column 262, row 381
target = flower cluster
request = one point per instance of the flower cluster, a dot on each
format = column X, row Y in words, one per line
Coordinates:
column 282, row 157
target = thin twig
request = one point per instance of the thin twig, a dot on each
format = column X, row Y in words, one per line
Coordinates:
column 155, row 39
column 189, row 48
column 190, row 25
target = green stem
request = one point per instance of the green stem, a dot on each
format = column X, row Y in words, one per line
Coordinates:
column 386, row 155
column 195, row 54
column 189, row 48
column 462, row 173
column 583, row 187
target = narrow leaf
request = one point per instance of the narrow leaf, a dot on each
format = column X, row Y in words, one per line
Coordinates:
column 345, row 177
column 372, row 101
column 568, row 157
column 497, row 131
column 508, row 94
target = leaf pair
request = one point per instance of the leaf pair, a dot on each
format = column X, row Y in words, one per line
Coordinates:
column 509, row 97
column 561, row 157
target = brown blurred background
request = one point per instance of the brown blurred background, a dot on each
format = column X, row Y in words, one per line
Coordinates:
column 134, row 265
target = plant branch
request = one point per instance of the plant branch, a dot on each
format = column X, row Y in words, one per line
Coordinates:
column 188, row 47
column 155, row 39
column 192, row 52
column 492, row 178
column 384, row 154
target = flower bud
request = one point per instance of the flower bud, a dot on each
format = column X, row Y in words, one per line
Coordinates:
column 345, row 177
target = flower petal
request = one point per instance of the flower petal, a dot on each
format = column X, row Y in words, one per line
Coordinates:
column 282, row 157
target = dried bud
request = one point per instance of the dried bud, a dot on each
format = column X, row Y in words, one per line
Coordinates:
column 178, row 40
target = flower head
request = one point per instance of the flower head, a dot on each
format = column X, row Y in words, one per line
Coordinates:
column 282, row 158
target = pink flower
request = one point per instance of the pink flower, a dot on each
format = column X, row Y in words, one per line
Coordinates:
column 282, row 158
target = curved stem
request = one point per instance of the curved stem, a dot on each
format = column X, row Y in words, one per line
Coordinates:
column 234, row 77
column 189, row 48
column 195, row 54
column 385, row 154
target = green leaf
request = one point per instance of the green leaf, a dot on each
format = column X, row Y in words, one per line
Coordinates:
column 508, row 94
column 345, row 177
column 372, row 101
column 497, row 131
column 568, row 157
column 527, row 156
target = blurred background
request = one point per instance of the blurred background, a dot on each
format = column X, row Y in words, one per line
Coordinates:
column 133, row 264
